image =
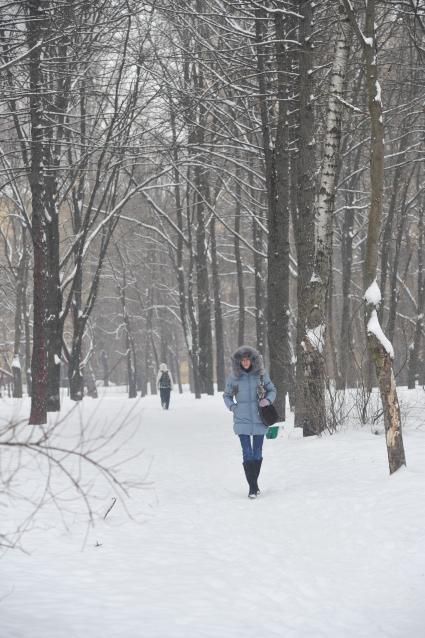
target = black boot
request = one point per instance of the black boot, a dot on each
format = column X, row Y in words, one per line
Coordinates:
column 257, row 466
column 250, row 473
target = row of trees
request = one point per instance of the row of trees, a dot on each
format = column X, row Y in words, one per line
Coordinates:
column 189, row 176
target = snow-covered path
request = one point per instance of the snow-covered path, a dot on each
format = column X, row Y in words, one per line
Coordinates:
column 333, row 548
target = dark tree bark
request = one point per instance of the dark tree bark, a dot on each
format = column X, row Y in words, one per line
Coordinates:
column 304, row 221
column 104, row 360
column 59, row 80
column 345, row 338
column 402, row 218
column 278, row 247
column 203, row 294
column 389, row 222
column 380, row 349
column 280, row 312
column 20, row 303
column 239, row 264
column 419, row 324
column 35, row 33
column 130, row 351
column 218, row 315
column 27, row 329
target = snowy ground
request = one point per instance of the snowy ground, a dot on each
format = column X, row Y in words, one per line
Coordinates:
column 333, row 548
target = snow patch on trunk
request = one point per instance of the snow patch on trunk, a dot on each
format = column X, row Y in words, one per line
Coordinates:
column 373, row 294
column 374, row 327
column 316, row 336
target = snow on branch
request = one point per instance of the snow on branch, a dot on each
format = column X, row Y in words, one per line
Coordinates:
column 348, row 105
column 24, row 55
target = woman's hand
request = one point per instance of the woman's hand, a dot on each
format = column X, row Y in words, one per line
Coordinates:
column 264, row 402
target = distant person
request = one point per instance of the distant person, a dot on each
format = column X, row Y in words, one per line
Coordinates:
column 242, row 396
column 164, row 383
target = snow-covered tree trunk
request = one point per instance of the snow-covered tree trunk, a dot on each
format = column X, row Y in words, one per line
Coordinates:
column 380, row 348
column 186, row 305
column 20, row 294
column 239, row 264
column 59, row 78
column 313, row 343
column 346, row 329
column 130, row 351
column 193, row 336
column 419, row 325
column 27, row 330
column 303, row 211
column 388, row 231
column 218, row 314
column 259, row 283
column 280, row 311
column 277, row 267
column 203, row 290
column 35, row 28
column 202, row 201
column 394, row 296
column 104, row 361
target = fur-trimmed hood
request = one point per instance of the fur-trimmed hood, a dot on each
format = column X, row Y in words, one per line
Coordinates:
column 253, row 354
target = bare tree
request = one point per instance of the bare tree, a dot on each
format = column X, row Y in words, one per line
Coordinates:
column 380, row 348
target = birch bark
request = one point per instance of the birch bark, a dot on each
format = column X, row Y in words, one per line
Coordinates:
column 313, row 343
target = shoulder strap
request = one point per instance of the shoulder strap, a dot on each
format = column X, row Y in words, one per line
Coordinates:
column 261, row 391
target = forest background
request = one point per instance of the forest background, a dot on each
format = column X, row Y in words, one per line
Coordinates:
column 182, row 177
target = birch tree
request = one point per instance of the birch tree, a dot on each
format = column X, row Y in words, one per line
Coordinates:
column 313, row 344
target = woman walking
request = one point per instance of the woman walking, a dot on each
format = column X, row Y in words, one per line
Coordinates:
column 243, row 388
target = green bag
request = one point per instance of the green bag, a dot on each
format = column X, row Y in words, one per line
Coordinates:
column 272, row 432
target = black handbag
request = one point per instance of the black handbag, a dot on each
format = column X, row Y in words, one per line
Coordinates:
column 268, row 413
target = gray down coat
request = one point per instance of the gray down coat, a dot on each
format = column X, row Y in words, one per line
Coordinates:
column 241, row 392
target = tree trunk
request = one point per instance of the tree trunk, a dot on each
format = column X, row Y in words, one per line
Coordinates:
column 345, row 338
column 218, row 315
column 20, row 292
column 259, row 282
column 419, row 326
column 390, row 329
column 104, row 360
column 278, row 224
column 27, row 329
column 389, row 222
column 60, row 81
column 313, row 351
column 75, row 373
column 203, row 290
column 239, row 265
column 187, row 309
column 279, row 311
column 35, row 30
column 90, row 382
column 380, row 348
column 304, row 222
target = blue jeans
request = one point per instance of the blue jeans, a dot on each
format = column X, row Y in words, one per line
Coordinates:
column 252, row 451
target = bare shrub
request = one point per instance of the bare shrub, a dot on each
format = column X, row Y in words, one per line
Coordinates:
column 72, row 464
